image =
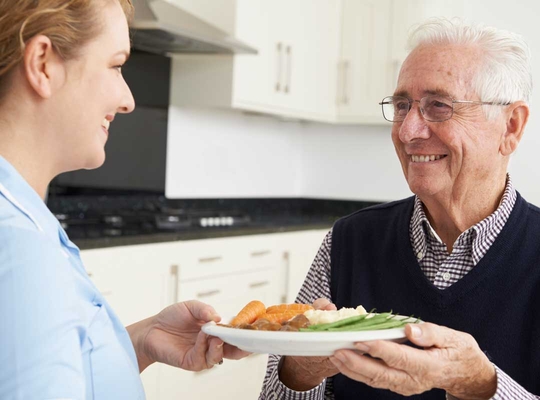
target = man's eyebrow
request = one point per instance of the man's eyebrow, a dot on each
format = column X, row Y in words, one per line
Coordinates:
column 430, row 92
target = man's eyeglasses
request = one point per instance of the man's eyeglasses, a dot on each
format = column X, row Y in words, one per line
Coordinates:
column 434, row 108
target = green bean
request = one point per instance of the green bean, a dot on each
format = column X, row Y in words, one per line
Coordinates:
column 390, row 323
column 336, row 324
column 364, row 322
column 372, row 322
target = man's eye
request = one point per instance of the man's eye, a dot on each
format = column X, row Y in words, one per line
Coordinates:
column 438, row 104
column 402, row 105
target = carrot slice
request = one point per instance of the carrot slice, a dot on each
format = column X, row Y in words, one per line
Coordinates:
column 251, row 312
column 301, row 308
column 280, row 317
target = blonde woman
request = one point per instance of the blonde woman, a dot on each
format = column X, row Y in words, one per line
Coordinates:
column 60, row 87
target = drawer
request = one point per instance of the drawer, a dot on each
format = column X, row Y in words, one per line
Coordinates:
column 228, row 294
column 212, row 258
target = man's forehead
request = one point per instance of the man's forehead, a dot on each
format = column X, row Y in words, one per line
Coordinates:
column 438, row 70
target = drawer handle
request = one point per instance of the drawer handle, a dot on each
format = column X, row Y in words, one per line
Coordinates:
column 210, row 259
column 260, row 253
column 209, row 293
column 174, row 281
column 258, row 284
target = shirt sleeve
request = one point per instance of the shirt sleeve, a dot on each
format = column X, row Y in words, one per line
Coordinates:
column 507, row 389
column 40, row 328
column 316, row 285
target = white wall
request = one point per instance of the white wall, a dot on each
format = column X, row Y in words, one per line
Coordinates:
column 224, row 153
column 213, row 153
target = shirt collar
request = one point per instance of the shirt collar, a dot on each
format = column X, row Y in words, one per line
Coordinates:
column 478, row 234
column 24, row 198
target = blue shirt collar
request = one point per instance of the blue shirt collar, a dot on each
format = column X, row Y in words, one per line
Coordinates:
column 23, row 197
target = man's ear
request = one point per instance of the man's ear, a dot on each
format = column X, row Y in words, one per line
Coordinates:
column 516, row 118
column 42, row 66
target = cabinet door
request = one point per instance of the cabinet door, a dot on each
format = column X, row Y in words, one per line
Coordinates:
column 365, row 68
column 255, row 76
column 301, row 250
column 308, row 31
column 227, row 294
column 138, row 282
column 295, row 70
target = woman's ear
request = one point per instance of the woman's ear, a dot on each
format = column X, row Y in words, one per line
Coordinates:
column 516, row 118
column 42, row 66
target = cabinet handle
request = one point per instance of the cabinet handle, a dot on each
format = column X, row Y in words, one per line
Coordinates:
column 287, row 88
column 260, row 253
column 258, row 284
column 396, row 64
column 278, row 66
column 208, row 294
column 174, row 279
column 345, row 98
column 210, row 259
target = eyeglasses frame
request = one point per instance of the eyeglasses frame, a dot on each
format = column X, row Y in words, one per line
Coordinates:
column 412, row 101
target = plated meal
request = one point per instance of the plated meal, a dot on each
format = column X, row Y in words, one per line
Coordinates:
column 298, row 329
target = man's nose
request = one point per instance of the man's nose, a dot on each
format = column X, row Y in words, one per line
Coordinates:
column 414, row 126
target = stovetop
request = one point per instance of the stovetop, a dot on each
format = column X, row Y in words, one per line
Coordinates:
column 107, row 216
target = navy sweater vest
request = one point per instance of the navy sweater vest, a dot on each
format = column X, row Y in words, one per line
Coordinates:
column 497, row 302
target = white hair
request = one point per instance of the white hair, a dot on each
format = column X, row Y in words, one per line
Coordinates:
column 505, row 71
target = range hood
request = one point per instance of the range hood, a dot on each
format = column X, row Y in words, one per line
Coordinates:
column 161, row 27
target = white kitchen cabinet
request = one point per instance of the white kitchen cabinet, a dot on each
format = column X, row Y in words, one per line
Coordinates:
column 325, row 60
column 300, row 251
column 139, row 281
column 226, row 273
column 318, row 60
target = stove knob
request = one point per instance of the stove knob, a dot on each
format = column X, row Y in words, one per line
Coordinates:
column 217, row 221
column 204, row 222
column 230, row 221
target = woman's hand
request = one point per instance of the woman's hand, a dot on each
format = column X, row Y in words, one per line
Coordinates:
column 305, row 373
column 174, row 337
column 450, row 360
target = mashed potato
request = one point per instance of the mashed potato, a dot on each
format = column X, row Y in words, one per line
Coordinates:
column 324, row 317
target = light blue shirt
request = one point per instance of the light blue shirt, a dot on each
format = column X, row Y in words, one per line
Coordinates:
column 59, row 339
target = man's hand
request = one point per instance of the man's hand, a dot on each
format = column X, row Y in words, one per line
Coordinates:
column 450, row 360
column 305, row 373
column 174, row 337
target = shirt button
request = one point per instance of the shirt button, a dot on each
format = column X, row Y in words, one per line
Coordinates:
column 446, row 276
column 419, row 255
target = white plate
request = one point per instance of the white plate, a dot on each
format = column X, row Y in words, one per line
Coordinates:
column 299, row 343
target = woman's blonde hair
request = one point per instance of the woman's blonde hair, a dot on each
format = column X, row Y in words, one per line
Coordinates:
column 69, row 24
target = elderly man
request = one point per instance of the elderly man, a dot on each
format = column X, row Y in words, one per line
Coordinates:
column 463, row 253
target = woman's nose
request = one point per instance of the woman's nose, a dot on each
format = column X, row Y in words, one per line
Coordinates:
column 128, row 102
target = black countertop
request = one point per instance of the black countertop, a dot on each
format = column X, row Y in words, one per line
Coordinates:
column 264, row 216
column 195, row 234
